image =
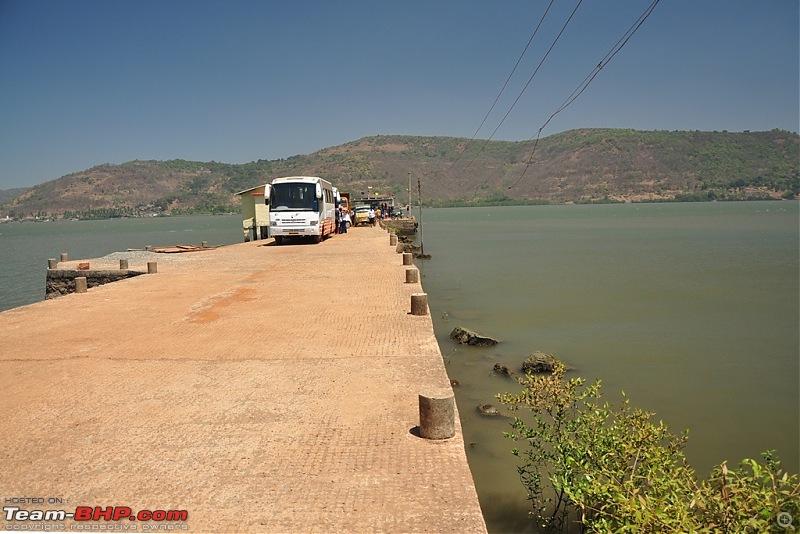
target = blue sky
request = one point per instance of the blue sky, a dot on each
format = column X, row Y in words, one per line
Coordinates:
column 85, row 82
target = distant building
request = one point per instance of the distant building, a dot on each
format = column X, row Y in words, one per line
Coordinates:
column 374, row 201
column 255, row 214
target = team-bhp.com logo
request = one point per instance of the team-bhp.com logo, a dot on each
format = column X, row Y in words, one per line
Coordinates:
column 94, row 513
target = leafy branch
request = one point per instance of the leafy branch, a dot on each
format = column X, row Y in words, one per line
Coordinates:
column 615, row 469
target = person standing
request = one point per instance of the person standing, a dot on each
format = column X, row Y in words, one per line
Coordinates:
column 371, row 216
column 345, row 220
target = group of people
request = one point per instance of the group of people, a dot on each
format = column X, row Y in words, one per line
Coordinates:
column 383, row 211
column 343, row 218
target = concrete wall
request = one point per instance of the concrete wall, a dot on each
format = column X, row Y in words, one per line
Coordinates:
column 255, row 214
column 62, row 281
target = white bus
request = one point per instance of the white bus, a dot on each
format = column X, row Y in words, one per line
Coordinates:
column 300, row 206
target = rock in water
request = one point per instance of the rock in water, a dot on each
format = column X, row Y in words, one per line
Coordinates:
column 488, row 410
column 502, row 369
column 539, row 362
column 468, row 337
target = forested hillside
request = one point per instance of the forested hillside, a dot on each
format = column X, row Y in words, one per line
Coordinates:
column 9, row 194
column 587, row 165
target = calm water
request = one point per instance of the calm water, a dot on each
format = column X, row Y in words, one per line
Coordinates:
column 25, row 247
column 691, row 309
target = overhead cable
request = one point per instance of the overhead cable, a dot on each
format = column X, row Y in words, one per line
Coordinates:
column 502, row 90
column 586, row 81
column 552, row 45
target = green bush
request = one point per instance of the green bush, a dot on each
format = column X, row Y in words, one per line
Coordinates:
column 614, row 469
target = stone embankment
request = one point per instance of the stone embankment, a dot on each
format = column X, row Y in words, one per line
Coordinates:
column 61, row 282
column 405, row 226
column 249, row 388
column 64, row 277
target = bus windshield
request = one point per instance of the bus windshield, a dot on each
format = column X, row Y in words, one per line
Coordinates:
column 294, row 196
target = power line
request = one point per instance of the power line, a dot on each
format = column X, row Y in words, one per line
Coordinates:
column 552, row 45
column 502, row 90
column 586, row 81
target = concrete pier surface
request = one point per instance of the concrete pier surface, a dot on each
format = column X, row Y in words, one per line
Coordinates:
column 258, row 388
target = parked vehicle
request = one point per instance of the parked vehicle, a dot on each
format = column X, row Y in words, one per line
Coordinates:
column 362, row 215
column 300, row 206
column 344, row 201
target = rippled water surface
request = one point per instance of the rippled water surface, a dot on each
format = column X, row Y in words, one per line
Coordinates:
column 25, row 247
column 691, row 309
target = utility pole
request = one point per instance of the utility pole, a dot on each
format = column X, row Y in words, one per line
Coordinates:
column 421, row 240
column 408, row 210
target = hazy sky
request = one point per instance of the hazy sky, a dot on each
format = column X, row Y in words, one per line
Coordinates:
column 85, row 82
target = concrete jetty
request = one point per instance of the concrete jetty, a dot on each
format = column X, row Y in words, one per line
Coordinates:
column 247, row 388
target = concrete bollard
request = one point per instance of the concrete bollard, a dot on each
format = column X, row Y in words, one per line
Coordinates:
column 123, row 264
column 412, row 276
column 399, row 248
column 152, row 267
column 204, row 244
column 52, row 263
column 437, row 417
column 149, row 248
column 419, row 304
column 80, row 284
column 64, row 256
column 393, row 239
column 407, row 257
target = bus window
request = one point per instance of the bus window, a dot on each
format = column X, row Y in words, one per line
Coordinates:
column 294, row 196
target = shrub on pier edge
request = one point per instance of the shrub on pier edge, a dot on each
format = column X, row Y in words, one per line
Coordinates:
column 613, row 469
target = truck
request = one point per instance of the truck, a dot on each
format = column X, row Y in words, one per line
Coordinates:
column 344, row 201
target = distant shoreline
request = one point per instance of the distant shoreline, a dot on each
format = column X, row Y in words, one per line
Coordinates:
column 155, row 215
column 440, row 204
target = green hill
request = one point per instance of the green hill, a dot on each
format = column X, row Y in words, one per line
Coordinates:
column 587, row 165
column 9, row 194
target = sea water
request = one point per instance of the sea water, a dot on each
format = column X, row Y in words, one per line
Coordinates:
column 25, row 247
column 690, row 309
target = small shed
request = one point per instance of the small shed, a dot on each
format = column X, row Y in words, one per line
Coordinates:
column 255, row 214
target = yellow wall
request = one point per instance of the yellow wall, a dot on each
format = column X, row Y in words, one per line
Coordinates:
column 248, row 209
column 261, row 212
column 254, row 212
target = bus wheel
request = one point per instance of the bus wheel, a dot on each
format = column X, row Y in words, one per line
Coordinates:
column 316, row 239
